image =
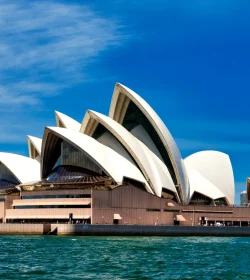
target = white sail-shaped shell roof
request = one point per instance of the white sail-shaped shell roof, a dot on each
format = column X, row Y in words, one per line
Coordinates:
column 65, row 121
column 23, row 168
column 216, row 168
column 35, row 146
column 122, row 96
column 144, row 158
column 161, row 169
column 132, row 143
column 200, row 184
column 108, row 160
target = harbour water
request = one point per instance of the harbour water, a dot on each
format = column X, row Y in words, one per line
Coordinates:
column 57, row 257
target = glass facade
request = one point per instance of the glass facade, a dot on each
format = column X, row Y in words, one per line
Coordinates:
column 105, row 137
column 7, row 179
column 59, row 152
column 220, row 202
column 168, row 194
column 133, row 182
column 133, row 118
column 4, row 184
column 7, row 175
column 201, row 199
column 66, row 173
column 72, row 156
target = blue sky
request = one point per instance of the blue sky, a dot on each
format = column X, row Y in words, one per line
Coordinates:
column 189, row 59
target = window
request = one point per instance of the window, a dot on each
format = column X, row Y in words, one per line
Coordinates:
column 7, row 180
column 72, row 156
column 208, row 212
column 67, row 173
column 172, row 210
column 200, row 199
column 59, row 152
column 220, row 202
column 133, row 182
column 51, row 206
column 153, row 210
column 57, row 196
column 135, row 117
column 168, row 194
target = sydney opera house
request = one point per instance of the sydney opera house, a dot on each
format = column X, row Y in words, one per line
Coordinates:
column 124, row 168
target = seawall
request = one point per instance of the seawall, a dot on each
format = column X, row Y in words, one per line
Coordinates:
column 37, row 229
column 122, row 230
column 136, row 230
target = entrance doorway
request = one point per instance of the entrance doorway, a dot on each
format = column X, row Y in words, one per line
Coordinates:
column 176, row 223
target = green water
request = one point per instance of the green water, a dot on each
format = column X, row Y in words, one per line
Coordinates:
column 53, row 257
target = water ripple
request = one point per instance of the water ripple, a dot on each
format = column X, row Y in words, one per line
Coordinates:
column 49, row 257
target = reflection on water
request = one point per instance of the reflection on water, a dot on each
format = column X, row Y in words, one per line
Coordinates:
column 54, row 257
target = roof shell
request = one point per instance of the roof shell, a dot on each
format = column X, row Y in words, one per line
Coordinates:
column 161, row 169
column 117, row 112
column 111, row 162
column 200, row 184
column 140, row 154
column 23, row 168
column 65, row 121
column 34, row 144
column 216, row 168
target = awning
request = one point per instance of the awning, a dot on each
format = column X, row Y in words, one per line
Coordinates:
column 180, row 218
column 117, row 217
column 170, row 204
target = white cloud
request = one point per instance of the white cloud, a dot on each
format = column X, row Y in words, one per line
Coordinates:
column 46, row 46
